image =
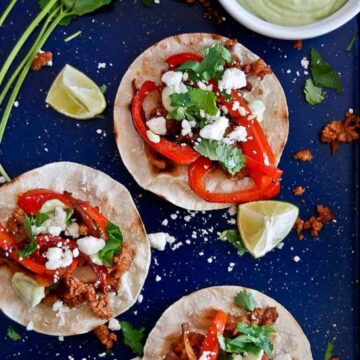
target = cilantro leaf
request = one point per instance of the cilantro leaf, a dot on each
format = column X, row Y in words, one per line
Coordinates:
column 323, row 74
column 329, row 353
column 188, row 105
column 12, row 334
column 113, row 244
column 134, row 338
column 245, row 300
column 233, row 237
column 41, row 218
column 252, row 339
column 212, row 66
column 313, row 94
column 231, row 158
column 352, row 42
column 69, row 214
column 31, row 246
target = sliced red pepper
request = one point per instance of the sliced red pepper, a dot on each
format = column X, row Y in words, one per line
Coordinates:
column 178, row 59
column 183, row 155
column 211, row 344
column 95, row 214
column 32, row 201
column 198, row 171
column 269, row 170
column 101, row 273
column 264, row 357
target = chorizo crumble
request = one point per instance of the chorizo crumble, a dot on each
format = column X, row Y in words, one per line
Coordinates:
column 298, row 44
column 41, row 59
column 314, row 223
column 105, row 336
column 299, row 190
column 303, row 155
column 341, row 131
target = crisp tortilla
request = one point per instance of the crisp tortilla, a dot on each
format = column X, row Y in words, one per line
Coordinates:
column 173, row 184
column 198, row 310
column 115, row 202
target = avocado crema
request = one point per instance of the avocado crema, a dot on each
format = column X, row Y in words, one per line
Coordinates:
column 292, row 12
column 28, row 289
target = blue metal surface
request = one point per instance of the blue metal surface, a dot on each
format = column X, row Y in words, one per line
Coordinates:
column 320, row 290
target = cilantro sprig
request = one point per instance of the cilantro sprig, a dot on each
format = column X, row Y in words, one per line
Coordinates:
column 113, row 244
column 12, row 334
column 313, row 94
column 245, row 300
column 252, row 339
column 134, row 338
column 211, row 67
column 329, row 352
column 231, row 158
column 52, row 14
column 233, row 237
column 189, row 104
column 32, row 244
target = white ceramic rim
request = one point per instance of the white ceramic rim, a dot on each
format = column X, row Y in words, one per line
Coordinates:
column 339, row 18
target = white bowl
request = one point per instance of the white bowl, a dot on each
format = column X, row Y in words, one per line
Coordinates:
column 339, row 18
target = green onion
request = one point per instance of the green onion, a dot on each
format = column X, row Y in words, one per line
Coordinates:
column 7, row 12
column 4, row 174
column 73, row 36
column 352, row 42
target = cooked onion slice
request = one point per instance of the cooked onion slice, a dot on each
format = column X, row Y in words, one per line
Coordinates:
column 189, row 350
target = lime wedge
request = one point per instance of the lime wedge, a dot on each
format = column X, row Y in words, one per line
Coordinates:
column 76, row 95
column 264, row 224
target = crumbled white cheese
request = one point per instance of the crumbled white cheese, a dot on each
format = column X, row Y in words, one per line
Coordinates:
column 153, row 137
column 55, row 225
column 238, row 134
column 60, row 309
column 90, row 245
column 2, row 180
column 233, row 78
column 173, row 79
column 58, row 258
column 242, row 111
column 114, row 325
column 159, row 240
column 201, row 85
column 235, row 106
column 206, row 355
column 258, row 108
column 73, row 230
column 157, row 125
column 305, row 63
column 186, row 127
column 216, row 130
column 30, row 326
column 296, row 258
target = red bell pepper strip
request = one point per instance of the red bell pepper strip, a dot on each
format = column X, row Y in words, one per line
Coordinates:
column 95, row 214
column 32, row 201
column 183, row 155
column 198, row 171
column 211, row 344
column 178, row 59
column 269, row 170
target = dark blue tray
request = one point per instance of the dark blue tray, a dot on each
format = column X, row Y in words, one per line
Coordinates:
column 320, row 290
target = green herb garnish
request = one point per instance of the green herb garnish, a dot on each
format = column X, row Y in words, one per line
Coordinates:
column 231, row 158
column 73, row 36
column 352, row 42
column 12, row 334
column 211, row 67
column 7, row 12
column 103, row 88
column 113, row 244
column 329, row 353
column 134, row 338
column 69, row 214
column 323, row 74
column 245, row 300
column 313, row 94
column 233, row 237
column 32, row 244
column 53, row 13
column 253, row 339
column 189, row 104
column 41, row 218
column 4, row 174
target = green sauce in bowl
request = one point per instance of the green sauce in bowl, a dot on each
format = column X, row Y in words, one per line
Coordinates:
column 292, row 12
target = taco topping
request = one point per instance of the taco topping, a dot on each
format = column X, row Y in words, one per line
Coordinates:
column 247, row 335
column 206, row 122
column 63, row 251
